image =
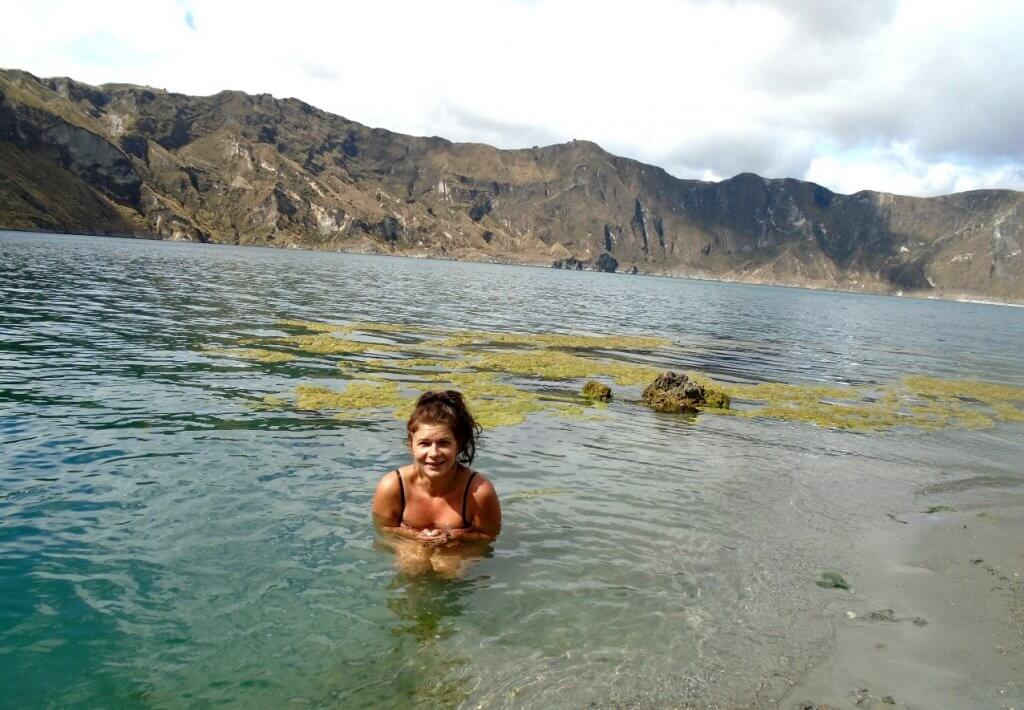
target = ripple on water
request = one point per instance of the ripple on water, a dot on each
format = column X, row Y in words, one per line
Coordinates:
column 164, row 542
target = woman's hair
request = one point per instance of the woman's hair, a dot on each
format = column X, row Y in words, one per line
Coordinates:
column 447, row 408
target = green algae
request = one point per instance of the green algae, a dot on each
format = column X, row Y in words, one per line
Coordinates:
column 780, row 392
column 493, row 403
column 554, row 340
column 1008, row 412
column 713, row 399
column 568, row 410
column 257, row 354
column 987, row 392
column 309, row 325
column 532, row 493
column 592, row 389
column 378, row 327
column 416, row 363
column 472, row 361
column 329, row 345
column 269, row 403
column 557, row 365
column 918, row 402
column 383, row 394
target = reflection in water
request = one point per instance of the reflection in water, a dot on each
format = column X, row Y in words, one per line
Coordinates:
column 427, row 607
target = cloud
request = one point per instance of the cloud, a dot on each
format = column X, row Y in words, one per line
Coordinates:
column 457, row 120
column 319, row 71
column 921, row 96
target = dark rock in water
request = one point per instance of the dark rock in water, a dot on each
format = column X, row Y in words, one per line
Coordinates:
column 883, row 615
column 677, row 393
column 832, row 580
column 634, row 270
column 673, row 393
column 606, row 262
column 920, row 621
column 571, row 264
column 597, row 391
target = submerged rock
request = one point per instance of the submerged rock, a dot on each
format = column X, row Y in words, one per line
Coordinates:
column 832, row 580
column 678, row 393
column 597, row 391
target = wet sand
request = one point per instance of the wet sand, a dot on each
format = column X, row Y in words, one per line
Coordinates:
column 935, row 618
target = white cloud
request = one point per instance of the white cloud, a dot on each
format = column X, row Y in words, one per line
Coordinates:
column 915, row 96
column 897, row 169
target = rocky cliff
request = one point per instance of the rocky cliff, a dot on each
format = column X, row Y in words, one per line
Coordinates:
column 240, row 169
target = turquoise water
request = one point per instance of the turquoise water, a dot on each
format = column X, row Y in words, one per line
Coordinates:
column 164, row 543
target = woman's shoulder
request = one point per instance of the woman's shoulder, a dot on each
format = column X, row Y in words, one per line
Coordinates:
column 389, row 482
column 480, row 485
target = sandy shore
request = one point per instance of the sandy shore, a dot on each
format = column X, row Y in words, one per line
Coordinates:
column 935, row 618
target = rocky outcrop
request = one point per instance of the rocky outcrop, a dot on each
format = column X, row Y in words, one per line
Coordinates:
column 570, row 264
column 677, row 393
column 241, row 169
column 597, row 391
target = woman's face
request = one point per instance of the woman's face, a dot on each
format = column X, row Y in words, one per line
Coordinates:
column 434, row 450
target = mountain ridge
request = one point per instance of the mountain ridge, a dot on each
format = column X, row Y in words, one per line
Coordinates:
column 252, row 169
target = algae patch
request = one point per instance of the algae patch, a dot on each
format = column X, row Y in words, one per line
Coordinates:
column 309, row 325
column 416, row 363
column 555, row 340
column 557, row 365
column 329, row 345
column 257, row 354
column 987, row 392
column 531, row 493
column 915, row 401
column 482, row 364
column 356, row 396
column 492, row 403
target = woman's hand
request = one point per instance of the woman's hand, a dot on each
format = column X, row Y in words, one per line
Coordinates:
column 434, row 538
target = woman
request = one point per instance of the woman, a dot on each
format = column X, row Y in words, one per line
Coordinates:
column 436, row 503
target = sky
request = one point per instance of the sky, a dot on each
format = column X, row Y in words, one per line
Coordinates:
column 916, row 97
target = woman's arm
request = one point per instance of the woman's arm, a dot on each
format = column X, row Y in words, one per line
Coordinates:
column 387, row 507
column 484, row 513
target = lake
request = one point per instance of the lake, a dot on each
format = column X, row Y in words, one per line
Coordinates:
column 166, row 541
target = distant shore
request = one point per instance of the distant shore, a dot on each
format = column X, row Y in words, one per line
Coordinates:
column 919, row 295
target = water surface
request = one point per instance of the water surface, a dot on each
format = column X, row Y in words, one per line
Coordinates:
column 164, row 543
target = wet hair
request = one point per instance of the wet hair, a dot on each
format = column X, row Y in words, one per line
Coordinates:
column 447, row 408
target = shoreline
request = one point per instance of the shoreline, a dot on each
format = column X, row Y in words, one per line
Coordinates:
column 894, row 293
column 935, row 616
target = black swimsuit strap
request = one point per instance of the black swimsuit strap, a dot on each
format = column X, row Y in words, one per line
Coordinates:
column 401, row 492
column 465, row 499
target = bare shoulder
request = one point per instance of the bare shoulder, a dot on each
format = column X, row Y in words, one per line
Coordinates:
column 387, row 497
column 388, row 483
column 486, row 516
column 482, row 491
